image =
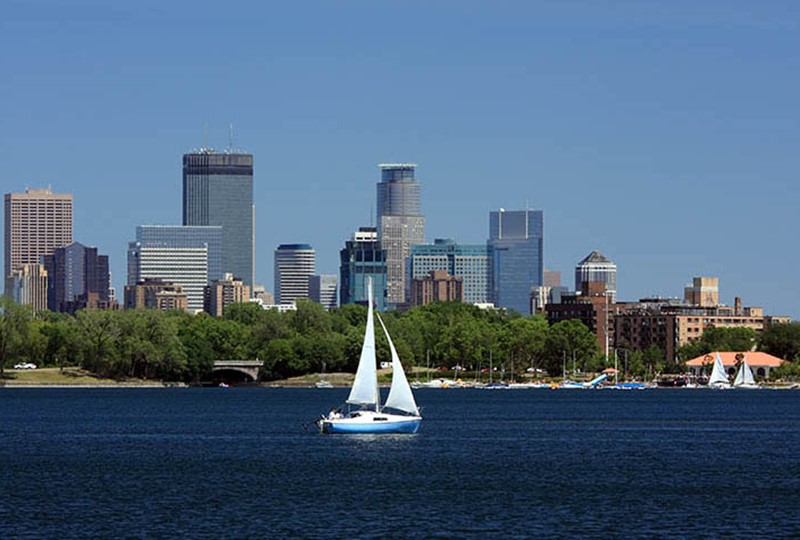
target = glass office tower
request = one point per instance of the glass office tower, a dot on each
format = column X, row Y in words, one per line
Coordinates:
column 400, row 224
column 218, row 190
column 516, row 248
column 362, row 258
column 188, row 256
column 322, row 290
column 77, row 277
column 469, row 262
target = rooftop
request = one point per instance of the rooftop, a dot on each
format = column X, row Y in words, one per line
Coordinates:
column 397, row 165
column 754, row 359
column 596, row 257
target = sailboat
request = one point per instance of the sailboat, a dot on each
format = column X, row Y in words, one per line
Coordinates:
column 370, row 416
column 744, row 377
column 719, row 378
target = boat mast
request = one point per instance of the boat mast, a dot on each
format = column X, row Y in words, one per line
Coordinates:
column 375, row 368
column 428, row 363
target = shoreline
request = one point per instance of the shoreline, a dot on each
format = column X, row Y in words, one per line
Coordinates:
column 15, row 384
column 270, row 385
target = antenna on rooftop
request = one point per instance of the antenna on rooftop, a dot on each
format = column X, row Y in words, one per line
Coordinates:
column 205, row 135
column 230, row 138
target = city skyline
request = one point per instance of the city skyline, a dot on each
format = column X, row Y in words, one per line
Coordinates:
column 662, row 136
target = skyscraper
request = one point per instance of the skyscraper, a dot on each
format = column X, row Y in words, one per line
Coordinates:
column 28, row 286
column 218, row 190
column 362, row 257
column 294, row 265
column 516, row 246
column 36, row 222
column 164, row 237
column 596, row 267
column 400, row 223
column 322, row 290
column 187, row 256
column 77, row 278
column 465, row 261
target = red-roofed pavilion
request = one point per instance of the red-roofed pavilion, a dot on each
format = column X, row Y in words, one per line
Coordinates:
column 760, row 362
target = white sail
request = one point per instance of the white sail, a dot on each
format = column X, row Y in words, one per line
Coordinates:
column 744, row 377
column 365, row 386
column 718, row 374
column 400, row 395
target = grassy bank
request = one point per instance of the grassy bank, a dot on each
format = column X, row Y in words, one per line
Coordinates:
column 71, row 376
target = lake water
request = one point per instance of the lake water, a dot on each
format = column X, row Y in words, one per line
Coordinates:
column 238, row 463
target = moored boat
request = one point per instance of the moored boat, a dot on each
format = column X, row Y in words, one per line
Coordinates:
column 744, row 377
column 718, row 378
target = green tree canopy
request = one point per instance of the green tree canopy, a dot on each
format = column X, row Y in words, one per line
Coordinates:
column 14, row 332
column 781, row 340
column 567, row 341
column 523, row 342
column 719, row 339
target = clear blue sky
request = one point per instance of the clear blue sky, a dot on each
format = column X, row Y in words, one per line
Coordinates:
column 664, row 134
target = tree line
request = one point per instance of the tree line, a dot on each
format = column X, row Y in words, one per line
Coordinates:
column 177, row 346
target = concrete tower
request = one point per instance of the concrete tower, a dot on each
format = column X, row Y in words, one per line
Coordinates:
column 400, row 223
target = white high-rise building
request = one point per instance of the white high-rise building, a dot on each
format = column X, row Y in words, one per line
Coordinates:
column 294, row 265
column 183, row 255
column 186, row 266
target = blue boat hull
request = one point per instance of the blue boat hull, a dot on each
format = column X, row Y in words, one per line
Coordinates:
column 410, row 425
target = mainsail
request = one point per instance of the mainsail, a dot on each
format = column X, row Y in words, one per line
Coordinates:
column 365, row 386
column 718, row 375
column 745, row 375
column 400, row 395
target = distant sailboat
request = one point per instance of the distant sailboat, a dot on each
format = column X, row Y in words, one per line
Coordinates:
column 744, row 377
column 719, row 378
column 371, row 417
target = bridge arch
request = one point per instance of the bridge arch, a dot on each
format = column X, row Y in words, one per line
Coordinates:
column 236, row 371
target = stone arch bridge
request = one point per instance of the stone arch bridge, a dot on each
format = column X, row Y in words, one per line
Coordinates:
column 236, row 370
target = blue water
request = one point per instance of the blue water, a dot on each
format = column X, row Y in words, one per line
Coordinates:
column 237, row 463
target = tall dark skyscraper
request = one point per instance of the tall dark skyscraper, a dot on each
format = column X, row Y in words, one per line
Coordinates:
column 400, row 223
column 218, row 190
column 78, row 278
column 516, row 247
column 362, row 258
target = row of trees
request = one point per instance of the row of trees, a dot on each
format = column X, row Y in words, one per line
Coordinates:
column 176, row 346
